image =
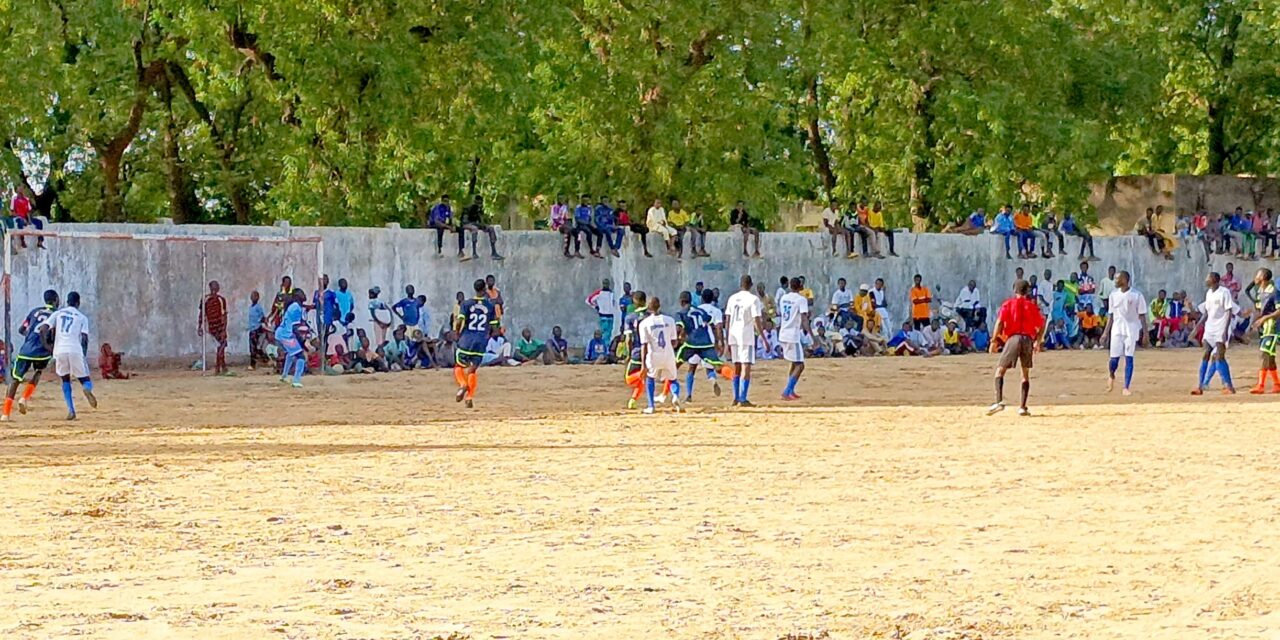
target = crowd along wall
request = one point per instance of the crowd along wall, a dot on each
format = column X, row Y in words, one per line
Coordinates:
column 144, row 297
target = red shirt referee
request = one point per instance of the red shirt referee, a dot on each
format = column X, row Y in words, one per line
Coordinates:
column 1019, row 318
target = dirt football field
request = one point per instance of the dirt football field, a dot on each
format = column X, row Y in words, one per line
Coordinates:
column 884, row 504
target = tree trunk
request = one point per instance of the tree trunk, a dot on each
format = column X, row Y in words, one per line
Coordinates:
column 112, row 203
column 922, row 175
column 182, row 198
column 1220, row 102
column 820, row 155
column 475, row 171
column 1218, row 136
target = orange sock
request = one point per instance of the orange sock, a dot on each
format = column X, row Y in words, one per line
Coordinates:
column 460, row 375
column 473, row 381
column 666, row 388
column 635, row 382
column 1275, row 378
column 29, row 391
column 8, row 406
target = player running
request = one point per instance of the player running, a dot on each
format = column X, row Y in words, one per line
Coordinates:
column 743, row 322
column 1216, row 313
column 1020, row 320
column 656, row 351
column 634, row 376
column 794, row 309
column 70, row 343
column 477, row 321
column 698, row 345
column 292, row 322
column 1126, row 329
column 1264, row 297
column 33, row 356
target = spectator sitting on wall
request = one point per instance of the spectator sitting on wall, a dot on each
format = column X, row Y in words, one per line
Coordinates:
column 836, row 231
column 562, row 222
column 974, row 224
column 559, row 346
column 1073, row 228
column 596, row 351
column 475, row 220
column 875, row 220
column 656, row 221
column 441, row 219
column 607, row 231
column 679, row 219
column 748, row 226
column 697, row 229
column 1047, row 223
column 1003, row 226
column 854, row 225
column 530, row 350
column 20, row 216
column 1026, row 235
column 638, row 226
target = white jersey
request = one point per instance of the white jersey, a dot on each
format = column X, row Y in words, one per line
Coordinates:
column 68, row 324
column 792, row 309
column 717, row 316
column 743, row 311
column 657, row 332
column 1126, row 309
column 1218, row 309
column 842, row 298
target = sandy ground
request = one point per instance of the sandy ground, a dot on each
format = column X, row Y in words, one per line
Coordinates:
column 884, row 505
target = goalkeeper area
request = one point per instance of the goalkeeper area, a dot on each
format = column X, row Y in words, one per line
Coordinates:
column 884, row 505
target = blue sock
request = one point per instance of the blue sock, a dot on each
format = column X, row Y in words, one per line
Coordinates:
column 737, row 389
column 288, row 364
column 746, row 386
column 1206, row 376
column 648, row 388
column 791, row 386
column 1224, row 371
column 1112, row 365
column 66, row 395
column 1128, row 371
column 675, row 388
column 299, row 366
column 688, row 381
column 87, row 384
column 711, row 374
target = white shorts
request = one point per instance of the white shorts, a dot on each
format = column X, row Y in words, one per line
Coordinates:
column 1123, row 346
column 662, row 369
column 71, row 364
column 740, row 354
column 793, row 352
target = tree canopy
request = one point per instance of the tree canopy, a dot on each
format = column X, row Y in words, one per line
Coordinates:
column 365, row 111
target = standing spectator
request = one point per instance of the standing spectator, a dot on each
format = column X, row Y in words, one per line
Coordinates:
column 562, row 222
column 1087, row 287
column 213, row 314
column 749, row 227
column 379, row 314
column 920, row 299
column 679, row 219
column 784, row 285
column 281, row 301
column 475, row 220
column 495, row 299
column 607, row 231
column 656, row 221
column 639, row 228
column 343, row 298
column 604, row 302
column 441, row 219
column 424, row 316
column 1073, row 228
column 875, row 219
column 881, row 299
column 257, row 331
column 698, row 234
column 1003, row 226
column 1230, row 281
column 969, row 306
column 407, row 308
column 1105, row 287
column 624, row 301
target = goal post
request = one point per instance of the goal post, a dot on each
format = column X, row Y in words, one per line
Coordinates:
column 144, row 292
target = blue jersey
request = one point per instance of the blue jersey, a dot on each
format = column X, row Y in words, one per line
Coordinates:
column 292, row 318
column 631, row 328
column 697, row 328
column 478, row 319
column 34, row 347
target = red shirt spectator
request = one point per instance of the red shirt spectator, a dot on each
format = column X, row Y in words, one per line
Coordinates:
column 21, row 206
column 1020, row 316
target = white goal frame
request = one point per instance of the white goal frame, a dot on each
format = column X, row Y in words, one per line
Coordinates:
column 203, row 240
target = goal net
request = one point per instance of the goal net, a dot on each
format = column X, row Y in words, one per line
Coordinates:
column 143, row 292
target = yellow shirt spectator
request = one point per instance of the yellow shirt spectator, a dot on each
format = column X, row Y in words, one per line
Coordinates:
column 679, row 218
column 875, row 219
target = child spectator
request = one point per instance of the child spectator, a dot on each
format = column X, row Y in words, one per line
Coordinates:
column 379, row 315
column 559, row 346
column 1090, row 328
column 396, row 350
column 1056, row 337
column 596, row 351
column 981, row 338
column 954, row 342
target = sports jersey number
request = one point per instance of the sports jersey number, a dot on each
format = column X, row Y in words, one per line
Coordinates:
column 697, row 322
column 477, row 321
column 66, row 323
column 662, row 338
column 787, row 309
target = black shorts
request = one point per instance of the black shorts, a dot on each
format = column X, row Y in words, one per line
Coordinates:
column 705, row 354
column 22, row 364
column 1019, row 349
column 467, row 358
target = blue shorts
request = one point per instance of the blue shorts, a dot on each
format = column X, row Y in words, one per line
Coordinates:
column 708, row 355
column 468, row 358
column 291, row 346
column 22, row 364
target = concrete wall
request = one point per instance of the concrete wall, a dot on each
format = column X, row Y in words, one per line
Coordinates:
column 143, row 297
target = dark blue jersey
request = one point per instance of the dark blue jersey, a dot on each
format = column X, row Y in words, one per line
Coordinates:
column 478, row 319
column 34, row 347
column 697, row 328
